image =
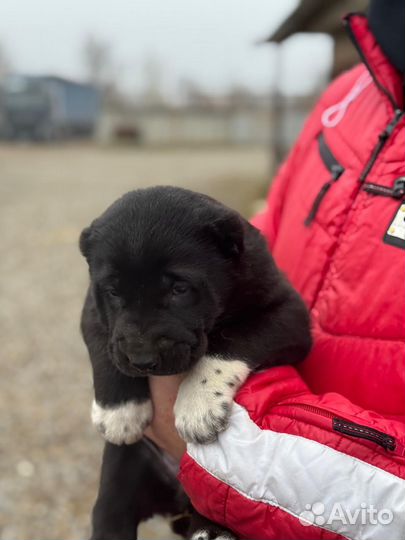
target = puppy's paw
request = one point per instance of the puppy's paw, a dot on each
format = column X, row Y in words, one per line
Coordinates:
column 205, row 398
column 214, row 534
column 122, row 424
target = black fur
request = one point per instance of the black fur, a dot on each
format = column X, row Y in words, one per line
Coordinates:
column 175, row 275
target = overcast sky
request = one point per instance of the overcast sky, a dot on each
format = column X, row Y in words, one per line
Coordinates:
column 211, row 43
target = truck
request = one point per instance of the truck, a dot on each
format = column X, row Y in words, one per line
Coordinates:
column 47, row 108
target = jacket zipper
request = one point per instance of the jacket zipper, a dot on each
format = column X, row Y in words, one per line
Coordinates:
column 382, row 139
column 396, row 192
column 348, row 427
column 336, row 170
column 363, row 432
column 384, row 136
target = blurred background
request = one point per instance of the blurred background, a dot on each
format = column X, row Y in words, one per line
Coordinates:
column 97, row 98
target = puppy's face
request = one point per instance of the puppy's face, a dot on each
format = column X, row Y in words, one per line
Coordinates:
column 162, row 264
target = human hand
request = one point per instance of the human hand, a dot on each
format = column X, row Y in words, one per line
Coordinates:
column 162, row 431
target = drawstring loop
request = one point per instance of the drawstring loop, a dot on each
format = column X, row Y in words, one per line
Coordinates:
column 334, row 114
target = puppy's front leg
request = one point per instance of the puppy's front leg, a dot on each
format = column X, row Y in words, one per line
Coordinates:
column 122, row 407
column 205, row 397
column 122, row 422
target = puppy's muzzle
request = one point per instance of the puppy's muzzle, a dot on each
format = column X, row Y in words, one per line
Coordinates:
column 163, row 356
column 136, row 357
column 143, row 362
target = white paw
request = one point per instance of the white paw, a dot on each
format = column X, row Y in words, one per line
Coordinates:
column 122, row 424
column 205, row 534
column 205, row 398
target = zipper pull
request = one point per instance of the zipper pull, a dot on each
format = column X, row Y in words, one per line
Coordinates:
column 337, row 171
column 400, row 449
column 396, row 192
column 347, row 427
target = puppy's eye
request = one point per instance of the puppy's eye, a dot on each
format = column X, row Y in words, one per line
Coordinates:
column 180, row 287
column 112, row 292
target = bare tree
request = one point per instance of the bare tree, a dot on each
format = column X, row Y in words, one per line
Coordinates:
column 99, row 64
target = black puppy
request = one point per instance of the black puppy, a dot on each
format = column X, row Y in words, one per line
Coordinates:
column 179, row 283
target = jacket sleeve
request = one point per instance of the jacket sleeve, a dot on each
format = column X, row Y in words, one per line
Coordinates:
column 293, row 464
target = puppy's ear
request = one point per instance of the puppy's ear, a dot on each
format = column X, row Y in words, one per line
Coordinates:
column 85, row 241
column 229, row 235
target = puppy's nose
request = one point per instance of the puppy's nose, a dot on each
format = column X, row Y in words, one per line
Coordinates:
column 142, row 361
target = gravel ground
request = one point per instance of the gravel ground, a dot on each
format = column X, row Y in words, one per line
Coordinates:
column 49, row 453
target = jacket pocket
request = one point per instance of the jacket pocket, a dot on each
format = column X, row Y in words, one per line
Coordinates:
column 335, row 169
column 346, row 426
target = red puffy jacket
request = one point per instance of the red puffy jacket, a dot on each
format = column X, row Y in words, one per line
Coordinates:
column 318, row 451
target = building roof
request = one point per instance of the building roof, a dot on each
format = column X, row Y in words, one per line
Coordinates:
column 316, row 16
